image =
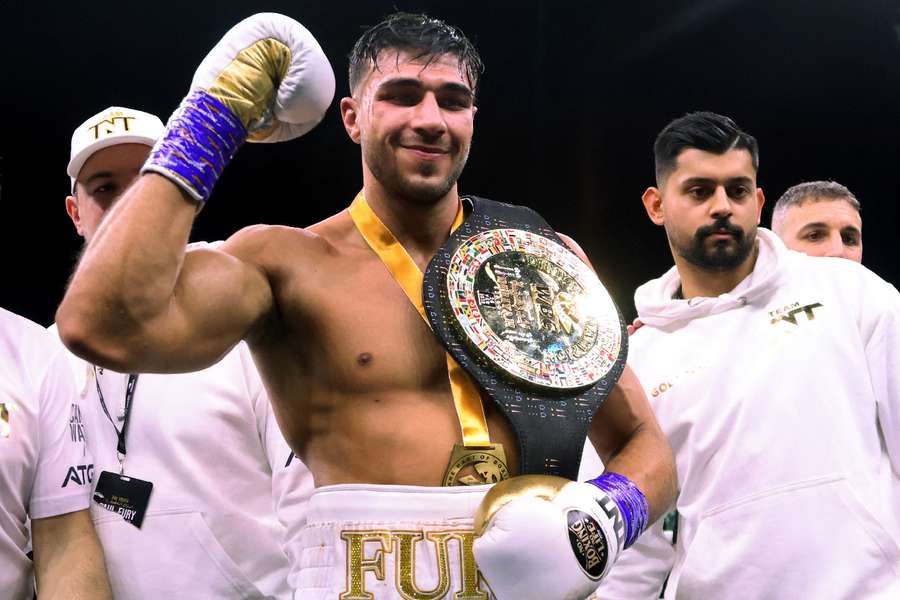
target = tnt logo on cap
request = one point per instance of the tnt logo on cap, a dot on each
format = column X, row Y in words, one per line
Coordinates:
column 115, row 125
column 115, row 122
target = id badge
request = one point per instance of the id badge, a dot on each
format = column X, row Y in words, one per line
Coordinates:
column 124, row 495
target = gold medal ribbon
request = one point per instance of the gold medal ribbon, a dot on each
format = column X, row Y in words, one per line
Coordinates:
column 404, row 270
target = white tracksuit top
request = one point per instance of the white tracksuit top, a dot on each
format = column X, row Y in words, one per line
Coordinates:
column 781, row 400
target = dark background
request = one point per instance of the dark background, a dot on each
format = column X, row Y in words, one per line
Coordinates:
column 573, row 96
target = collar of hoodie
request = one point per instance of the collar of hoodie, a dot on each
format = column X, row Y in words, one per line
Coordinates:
column 656, row 306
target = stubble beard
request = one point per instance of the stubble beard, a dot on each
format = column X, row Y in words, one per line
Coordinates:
column 422, row 192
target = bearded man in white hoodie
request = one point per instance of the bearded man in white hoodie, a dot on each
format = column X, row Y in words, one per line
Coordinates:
column 776, row 377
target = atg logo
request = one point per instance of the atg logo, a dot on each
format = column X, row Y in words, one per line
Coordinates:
column 79, row 475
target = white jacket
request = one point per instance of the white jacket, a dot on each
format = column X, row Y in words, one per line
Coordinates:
column 781, row 400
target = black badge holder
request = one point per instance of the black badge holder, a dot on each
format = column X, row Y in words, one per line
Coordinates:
column 551, row 426
column 124, row 495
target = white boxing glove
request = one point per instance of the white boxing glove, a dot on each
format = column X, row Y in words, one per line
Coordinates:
column 267, row 80
column 272, row 73
column 540, row 537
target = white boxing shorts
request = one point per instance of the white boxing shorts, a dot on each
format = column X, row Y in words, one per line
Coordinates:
column 385, row 542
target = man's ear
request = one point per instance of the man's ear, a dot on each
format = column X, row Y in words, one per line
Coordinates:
column 74, row 214
column 350, row 117
column 760, row 201
column 652, row 200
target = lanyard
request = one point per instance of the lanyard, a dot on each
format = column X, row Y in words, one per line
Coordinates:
column 126, row 413
column 403, row 268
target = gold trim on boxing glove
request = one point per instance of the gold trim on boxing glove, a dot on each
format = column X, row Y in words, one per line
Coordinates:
column 533, row 486
column 249, row 83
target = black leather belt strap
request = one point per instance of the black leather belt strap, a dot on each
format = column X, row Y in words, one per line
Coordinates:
column 551, row 425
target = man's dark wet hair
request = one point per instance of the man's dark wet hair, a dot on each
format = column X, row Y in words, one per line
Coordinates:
column 705, row 131
column 419, row 34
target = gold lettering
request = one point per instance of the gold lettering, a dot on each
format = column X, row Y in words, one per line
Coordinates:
column 358, row 564
column 403, row 546
column 468, row 569
column 791, row 315
column 98, row 133
column 405, row 569
column 808, row 309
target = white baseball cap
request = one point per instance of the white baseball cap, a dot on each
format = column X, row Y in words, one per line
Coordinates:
column 115, row 125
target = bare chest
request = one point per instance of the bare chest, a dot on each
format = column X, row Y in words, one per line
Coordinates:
column 360, row 331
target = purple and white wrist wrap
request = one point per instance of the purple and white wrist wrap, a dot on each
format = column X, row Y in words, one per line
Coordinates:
column 201, row 137
column 630, row 500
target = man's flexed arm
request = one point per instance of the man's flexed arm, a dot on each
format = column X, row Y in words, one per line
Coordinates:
column 138, row 301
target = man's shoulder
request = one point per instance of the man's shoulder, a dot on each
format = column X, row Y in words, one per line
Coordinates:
column 13, row 325
column 845, row 276
column 262, row 236
column 829, row 266
column 24, row 343
column 271, row 242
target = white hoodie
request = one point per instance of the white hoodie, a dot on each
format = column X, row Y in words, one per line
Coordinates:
column 781, row 400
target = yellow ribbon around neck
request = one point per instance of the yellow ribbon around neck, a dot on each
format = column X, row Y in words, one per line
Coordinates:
column 403, row 268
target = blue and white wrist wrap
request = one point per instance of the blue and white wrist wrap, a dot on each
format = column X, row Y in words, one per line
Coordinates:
column 631, row 502
column 201, row 137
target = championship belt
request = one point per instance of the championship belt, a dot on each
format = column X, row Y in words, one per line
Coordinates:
column 530, row 322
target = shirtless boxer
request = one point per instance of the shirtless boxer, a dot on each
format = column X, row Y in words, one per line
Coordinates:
column 358, row 381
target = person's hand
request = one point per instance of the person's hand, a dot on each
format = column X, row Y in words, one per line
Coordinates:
column 635, row 325
column 539, row 536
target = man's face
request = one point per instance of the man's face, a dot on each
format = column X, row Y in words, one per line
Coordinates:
column 710, row 207
column 414, row 123
column 102, row 179
column 823, row 227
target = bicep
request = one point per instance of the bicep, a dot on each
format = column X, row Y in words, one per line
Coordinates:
column 217, row 300
column 574, row 247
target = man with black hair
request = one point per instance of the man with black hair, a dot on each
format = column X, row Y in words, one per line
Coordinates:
column 773, row 375
column 820, row 218
column 364, row 392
